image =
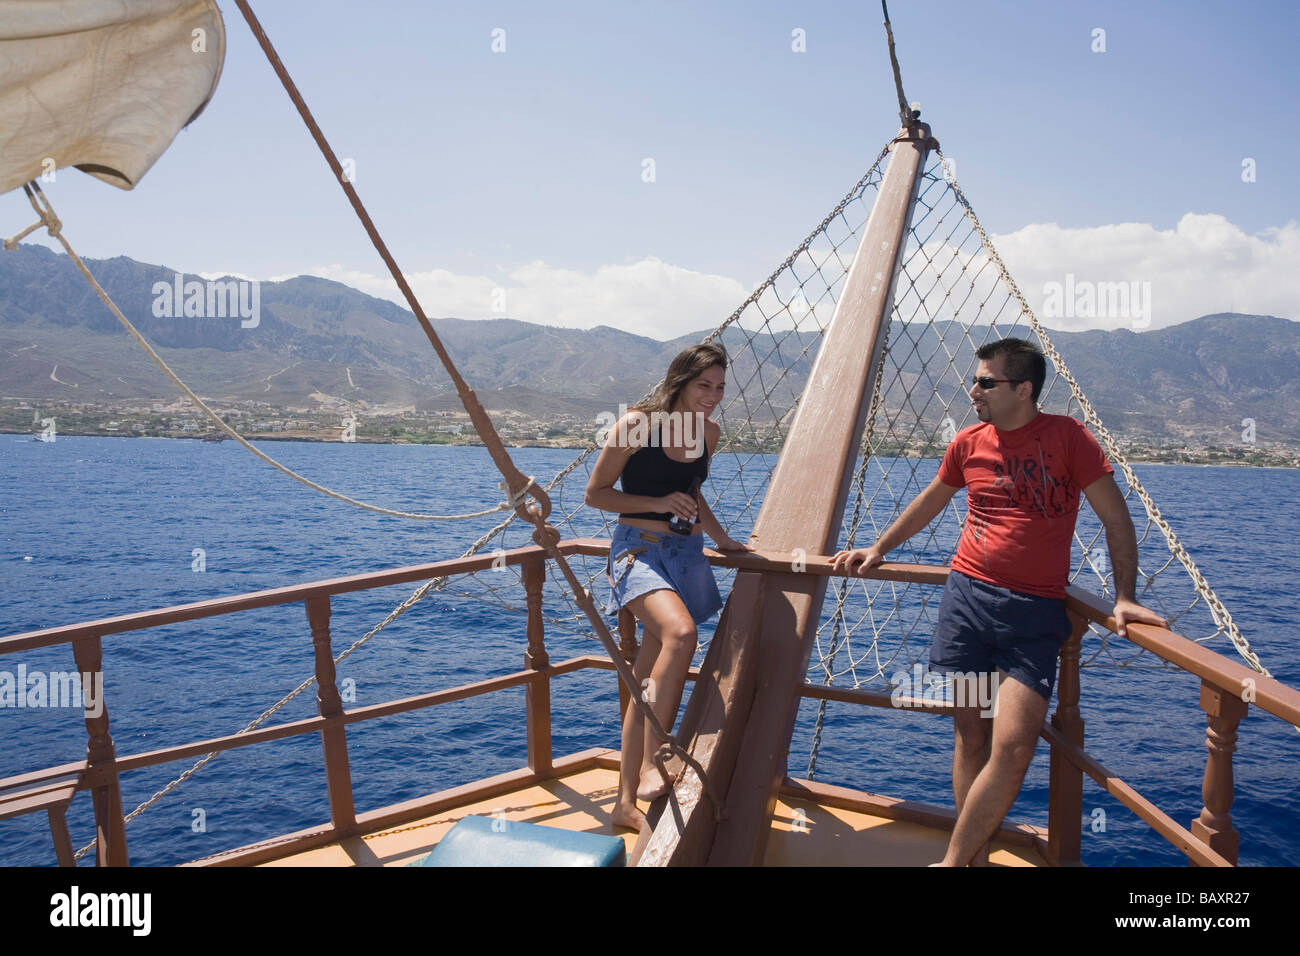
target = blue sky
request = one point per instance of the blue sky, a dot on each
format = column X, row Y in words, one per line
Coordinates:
column 523, row 168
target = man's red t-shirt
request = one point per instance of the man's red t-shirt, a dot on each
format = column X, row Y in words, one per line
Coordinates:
column 1022, row 497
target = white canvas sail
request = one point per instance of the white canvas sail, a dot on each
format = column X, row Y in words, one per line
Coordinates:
column 103, row 85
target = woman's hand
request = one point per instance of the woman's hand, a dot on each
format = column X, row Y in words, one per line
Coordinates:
column 728, row 543
column 680, row 504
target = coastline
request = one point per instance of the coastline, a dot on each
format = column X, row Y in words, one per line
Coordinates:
column 1204, row 460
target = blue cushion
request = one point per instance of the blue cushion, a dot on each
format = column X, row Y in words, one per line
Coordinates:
column 495, row 841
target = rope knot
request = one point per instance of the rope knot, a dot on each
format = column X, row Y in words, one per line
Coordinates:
column 514, row 501
column 43, row 209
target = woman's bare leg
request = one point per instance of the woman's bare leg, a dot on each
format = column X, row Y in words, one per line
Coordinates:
column 667, row 645
column 626, row 813
column 665, row 613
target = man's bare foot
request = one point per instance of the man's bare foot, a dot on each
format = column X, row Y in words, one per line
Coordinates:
column 627, row 816
column 652, row 785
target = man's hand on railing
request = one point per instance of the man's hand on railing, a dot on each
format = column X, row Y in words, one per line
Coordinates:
column 869, row 558
column 1128, row 612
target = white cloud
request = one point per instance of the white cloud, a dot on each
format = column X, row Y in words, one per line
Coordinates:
column 649, row 297
column 1203, row 265
column 1206, row 264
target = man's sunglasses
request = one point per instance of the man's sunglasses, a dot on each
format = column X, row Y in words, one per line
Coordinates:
column 987, row 383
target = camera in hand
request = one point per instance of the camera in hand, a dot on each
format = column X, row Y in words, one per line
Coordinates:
column 680, row 525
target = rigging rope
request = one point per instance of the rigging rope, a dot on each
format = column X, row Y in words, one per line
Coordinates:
column 904, row 111
column 544, row 535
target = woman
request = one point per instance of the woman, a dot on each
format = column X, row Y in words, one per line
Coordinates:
column 660, row 450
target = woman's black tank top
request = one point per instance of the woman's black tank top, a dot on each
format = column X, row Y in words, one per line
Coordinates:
column 652, row 473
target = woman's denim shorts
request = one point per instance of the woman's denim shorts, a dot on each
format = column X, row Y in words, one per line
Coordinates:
column 644, row 561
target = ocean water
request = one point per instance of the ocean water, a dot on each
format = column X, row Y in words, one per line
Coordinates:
column 94, row 527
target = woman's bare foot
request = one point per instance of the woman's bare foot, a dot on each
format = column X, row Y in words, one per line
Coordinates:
column 629, row 816
column 652, row 785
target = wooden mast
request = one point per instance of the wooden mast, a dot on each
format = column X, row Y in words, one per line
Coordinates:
column 742, row 711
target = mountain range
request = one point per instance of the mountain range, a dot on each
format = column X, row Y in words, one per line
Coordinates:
column 316, row 340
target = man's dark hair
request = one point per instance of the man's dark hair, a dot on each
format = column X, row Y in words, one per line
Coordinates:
column 1022, row 360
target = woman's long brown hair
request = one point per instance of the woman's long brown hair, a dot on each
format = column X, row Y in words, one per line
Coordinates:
column 688, row 364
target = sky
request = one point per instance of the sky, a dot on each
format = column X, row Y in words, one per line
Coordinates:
column 512, row 181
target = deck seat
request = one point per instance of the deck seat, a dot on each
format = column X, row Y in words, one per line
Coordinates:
column 495, row 841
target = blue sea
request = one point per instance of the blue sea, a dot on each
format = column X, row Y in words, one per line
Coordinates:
column 95, row 527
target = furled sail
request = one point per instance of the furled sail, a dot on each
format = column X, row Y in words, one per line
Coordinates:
column 104, row 86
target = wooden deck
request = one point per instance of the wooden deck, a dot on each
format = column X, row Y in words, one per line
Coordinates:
column 813, row 826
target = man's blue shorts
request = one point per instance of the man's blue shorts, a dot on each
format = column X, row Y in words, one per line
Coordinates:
column 644, row 561
column 982, row 626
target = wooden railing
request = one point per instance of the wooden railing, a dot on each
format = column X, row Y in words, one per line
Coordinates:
column 1211, row 840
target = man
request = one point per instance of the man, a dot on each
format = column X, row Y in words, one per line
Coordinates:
column 1002, row 618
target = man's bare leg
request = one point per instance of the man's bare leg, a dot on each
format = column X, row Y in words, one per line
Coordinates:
column 1020, row 714
column 972, row 745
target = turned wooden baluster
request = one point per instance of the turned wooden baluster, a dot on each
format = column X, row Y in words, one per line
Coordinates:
column 537, row 694
column 1214, row 827
column 338, row 774
column 101, row 757
column 627, row 646
column 1065, row 798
